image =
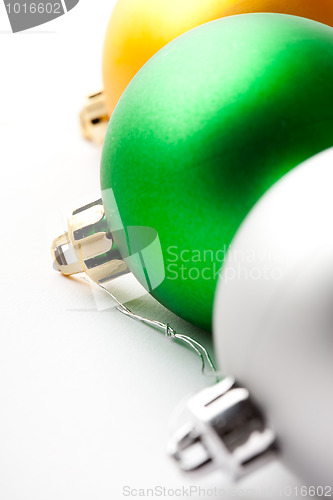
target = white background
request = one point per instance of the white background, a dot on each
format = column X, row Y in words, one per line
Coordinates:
column 86, row 395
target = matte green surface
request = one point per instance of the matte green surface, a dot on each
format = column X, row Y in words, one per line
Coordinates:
column 205, row 128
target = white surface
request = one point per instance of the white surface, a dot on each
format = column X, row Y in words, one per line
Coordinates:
column 85, row 395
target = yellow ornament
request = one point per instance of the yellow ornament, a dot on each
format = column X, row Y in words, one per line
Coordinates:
column 139, row 28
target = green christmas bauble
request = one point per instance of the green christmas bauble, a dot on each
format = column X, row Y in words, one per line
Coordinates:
column 202, row 131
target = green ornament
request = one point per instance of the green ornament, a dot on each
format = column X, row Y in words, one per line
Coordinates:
column 202, row 131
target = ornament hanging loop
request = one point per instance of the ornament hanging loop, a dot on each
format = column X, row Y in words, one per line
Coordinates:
column 94, row 118
column 88, row 246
